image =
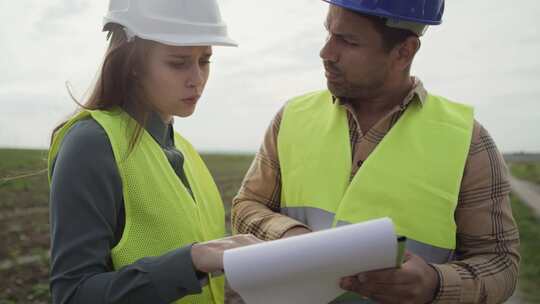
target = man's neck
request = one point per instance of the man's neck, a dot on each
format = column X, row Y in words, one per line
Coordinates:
column 369, row 111
column 384, row 100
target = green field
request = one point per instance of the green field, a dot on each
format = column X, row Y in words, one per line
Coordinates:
column 527, row 171
column 24, row 218
column 529, row 230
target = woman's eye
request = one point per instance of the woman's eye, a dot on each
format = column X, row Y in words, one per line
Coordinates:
column 205, row 62
column 177, row 65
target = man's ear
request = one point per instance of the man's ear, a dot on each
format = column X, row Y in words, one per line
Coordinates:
column 406, row 51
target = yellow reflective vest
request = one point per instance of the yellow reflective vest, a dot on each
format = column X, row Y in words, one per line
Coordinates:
column 161, row 215
column 413, row 176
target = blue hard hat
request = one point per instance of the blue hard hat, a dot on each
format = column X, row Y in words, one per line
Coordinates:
column 427, row 12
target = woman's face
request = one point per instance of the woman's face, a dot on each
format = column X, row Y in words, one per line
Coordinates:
column 174, row 78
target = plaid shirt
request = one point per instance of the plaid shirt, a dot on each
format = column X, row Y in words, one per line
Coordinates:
column 487, row 258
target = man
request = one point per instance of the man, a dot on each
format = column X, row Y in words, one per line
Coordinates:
column 376, row 144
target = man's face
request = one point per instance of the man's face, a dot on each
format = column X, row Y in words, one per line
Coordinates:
column 356, row 64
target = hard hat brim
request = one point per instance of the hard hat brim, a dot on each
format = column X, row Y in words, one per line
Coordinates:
column 176, row 40
column 220, row 39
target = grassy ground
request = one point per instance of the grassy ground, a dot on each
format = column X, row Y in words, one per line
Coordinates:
column 529, row 229
column 24, row 218
column 527, row 171
column 529, row 232
column 24, row 226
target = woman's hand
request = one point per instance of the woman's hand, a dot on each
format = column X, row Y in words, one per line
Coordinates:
column 208, row 257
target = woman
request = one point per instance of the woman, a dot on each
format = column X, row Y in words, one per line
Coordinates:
column 129, row 196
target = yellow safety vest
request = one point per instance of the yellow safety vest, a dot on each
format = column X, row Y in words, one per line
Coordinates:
column 161, row 215
column 413, row 176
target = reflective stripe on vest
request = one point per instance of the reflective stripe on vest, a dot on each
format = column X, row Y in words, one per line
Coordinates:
column 413, row 176
column 161, row 215
column 318, row 219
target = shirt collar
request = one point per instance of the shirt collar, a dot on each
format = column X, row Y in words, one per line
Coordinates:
column 160, row 131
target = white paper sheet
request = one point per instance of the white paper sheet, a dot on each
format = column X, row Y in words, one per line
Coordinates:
column 307, row 268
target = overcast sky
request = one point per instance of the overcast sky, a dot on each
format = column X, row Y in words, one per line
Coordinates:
column 485, row 54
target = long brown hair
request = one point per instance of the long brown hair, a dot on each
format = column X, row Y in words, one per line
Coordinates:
column 117, row 82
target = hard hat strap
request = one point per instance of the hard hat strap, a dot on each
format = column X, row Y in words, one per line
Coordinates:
column 418, row 28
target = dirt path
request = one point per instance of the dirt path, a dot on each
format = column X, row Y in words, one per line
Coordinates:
column 527, row 192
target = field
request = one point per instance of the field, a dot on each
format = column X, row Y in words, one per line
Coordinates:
column 24, row 230
column 24, row 219
column 529, row 231
column 527, row 171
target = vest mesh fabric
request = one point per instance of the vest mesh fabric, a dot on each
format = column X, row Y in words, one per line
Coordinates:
column 161, row 215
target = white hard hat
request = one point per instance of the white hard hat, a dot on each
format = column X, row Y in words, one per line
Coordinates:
column 171, row 22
